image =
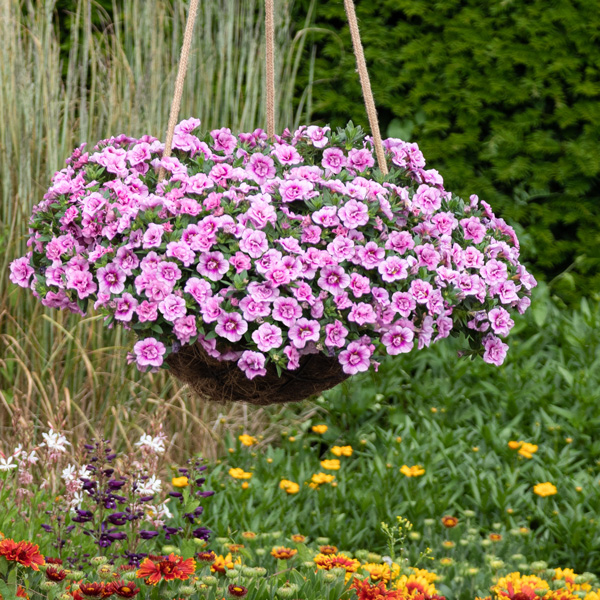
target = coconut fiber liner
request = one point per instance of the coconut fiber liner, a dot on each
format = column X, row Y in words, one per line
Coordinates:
column 223, row 381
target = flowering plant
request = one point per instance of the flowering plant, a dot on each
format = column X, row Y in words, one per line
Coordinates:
column 266, row 251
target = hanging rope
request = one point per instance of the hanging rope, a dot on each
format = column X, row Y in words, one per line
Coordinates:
column 366, row 85
column 183, row 61
column 270, row 59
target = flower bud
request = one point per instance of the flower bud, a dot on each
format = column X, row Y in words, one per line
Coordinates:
column 105, row 572
column 248, row 572
column 260, row 552
column 414, row 535
column 539, row 565
column 322, row 541
column 541, row 592
column 209, row 580
column 261, row 571
column 496, row 564
column 48, row 585
column 75, row 575
column 373, row 557
column 128, row 575
column 469, row 513
column 329, row 577
column 186, row 590
column 98, row 560
column 171, row 549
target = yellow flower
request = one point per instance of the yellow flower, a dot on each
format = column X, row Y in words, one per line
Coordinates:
column 514, row 445
column 378, row 572
column 475, row 448
column 517, row 583
column 269, row 460
column 446, row 561
column 289, row 486
column 398, row 439
column 527, row 450
column 320, row 428
column 292, row 438
column 320, row 478
column 569, row 440
column 433, row 409
column 180, row 482
column 239, row 474
column 247, row 440
column 245, row 485
column 342, row 450
column 545, row 489
column 331, row 465
column 249, row 535
column 578, row 489
column 448, row 544
column 414, row 471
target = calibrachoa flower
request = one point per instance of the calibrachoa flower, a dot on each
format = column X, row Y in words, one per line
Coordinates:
column 284, row 248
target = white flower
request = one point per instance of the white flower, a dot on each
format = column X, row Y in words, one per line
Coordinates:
column 68, row 474
column 18, row 450
column 7, row 463
column 55, row 441
column 76, row 500
column 31, row 458
column 155, row 444
column 149, row 486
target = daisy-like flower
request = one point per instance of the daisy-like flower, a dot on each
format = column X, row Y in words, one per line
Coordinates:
column 93, row 589
column 23, row 552
column 283, row 553
column 172, row 567
column 247, row 440
column 149, row 443
column 289, row 486
column 333, row 561
column 298, row 538
column 342, row 450
column 222, row 564
column 319, row 478
column 545, row 489
column 332, row 464
column 414, row 471
column 55, row 442
column 237, row 591
column 6, row 464
column 328, row 550
column 238, row 473
column 449, row 521
column 378, row 572
column 319, row 428
column 125, row 589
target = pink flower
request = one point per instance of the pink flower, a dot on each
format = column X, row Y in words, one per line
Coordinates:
column 360, row 285
column 303, row 331
column 311, row 235
column 111, row 279
column 354, row 214
column 231, row 326
column 152, row 236
column 287, row 155
column 360, row 160
column 260, row 168
column 295, row 189
column 263, row 291
column 494, row 272
column 317, row 135
column 398, row 340
column 149, row 352
column 224, row 140
column 500, row 321
column 427, row 199
column 267, row 337
column 212, row 265
column 185, row 328
column 420, row 290
column 369, row 256
column 253, row 309
column 172, row 307
column 342, row 248
column 147, row 311
column 199, row 289
column 254, row 243
column 124, row 307
column 82, row 282
column 495, row 350
column 211, row 309
column 428, row 256
column 445, row 223
column 355, row 359
column 473, row 229
column 506, row 291
column 362, row 313
column 21, row 271
column 334, row 160
column 293, row 357
column 252, row 363
column 286, row 310
column 400, row 241
column 182, row 252
column 335, row 334
column 393, row 269
column 333, row 279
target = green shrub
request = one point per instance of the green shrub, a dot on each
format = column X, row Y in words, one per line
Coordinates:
column 502, row 98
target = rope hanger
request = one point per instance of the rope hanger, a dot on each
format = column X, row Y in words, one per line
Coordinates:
column 270, row 78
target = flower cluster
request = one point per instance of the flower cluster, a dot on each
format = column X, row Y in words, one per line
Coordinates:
column 266, row 251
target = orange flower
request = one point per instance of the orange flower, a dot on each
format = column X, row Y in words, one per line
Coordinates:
column 527, row 450
column 320, row 428
column 238, row 473
column 368, row 591
column 291, row 487
column 449, row 521
column 25, row 553
column 298, row 538
column 320, row 478
column 180, row 482
column 249, row 535
column 208, row 556
column 332, row 561
column 247, row 440
column 222, row 563
column 327, row 550
column 172, row 567
column 331, row 464
column 283, row 553
column 541, row 489
column 495, row 537
column 414, row 471
column 514, row 445
column 342, row 450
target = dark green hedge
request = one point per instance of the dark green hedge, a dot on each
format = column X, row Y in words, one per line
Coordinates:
column 503, row 98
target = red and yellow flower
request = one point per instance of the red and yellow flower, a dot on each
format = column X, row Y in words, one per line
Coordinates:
column 172, row 567
column 283, row 553
column 25, row 553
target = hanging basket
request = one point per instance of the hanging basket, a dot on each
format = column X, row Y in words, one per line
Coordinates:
column 266, row 268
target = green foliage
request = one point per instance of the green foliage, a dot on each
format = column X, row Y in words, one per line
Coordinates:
column 503, row 99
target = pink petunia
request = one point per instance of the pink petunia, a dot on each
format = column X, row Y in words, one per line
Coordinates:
column 354, row 214
column 254, row 243
column 362, row 313
column 286, row 310
column 231, row 326
column 212, row 265
column 149, row 352
column 398, row 340
column 473, row 229
column 267, row 337
column 317, row 135
column 495, row 350
column 147, row 311
column 124, row 307
column 252, row 363
column 172, row 307
column 500, row 321
column 360, row 160
column 355, row 359
column 333, row 279
column 303, row 331
column 260, row 168
column 334, row 160
column 335, row 334
column 111, row 279
column 82, row 282
column 185, row 328
column 392, row 269
column 21, row 271
column 152, row 236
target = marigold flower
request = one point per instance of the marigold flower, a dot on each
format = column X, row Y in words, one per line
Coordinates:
column 238, row 473
column 25, row 553
column 449, row 521
column 332, row 464
column 298, row 538
column 416, row 585
column 319, row 428
column 283, row 553
column 545, row 489
column 328, row 550
column 320, row 478
column 247, row 440
column 414, row 471
column 172, row 567
column 527, row 450
column 289, row 486
column 180, row 482
column 367, row 591
column 342, row 450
